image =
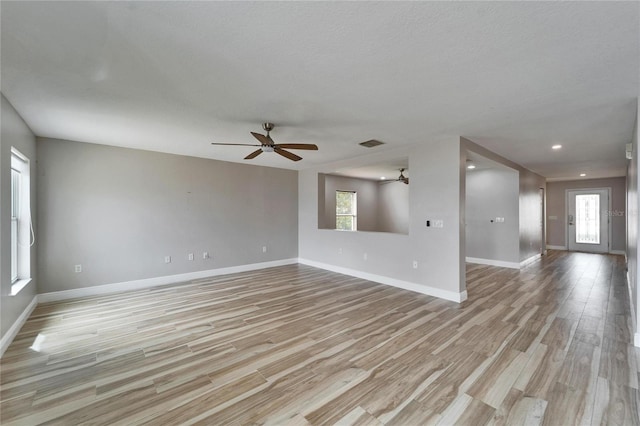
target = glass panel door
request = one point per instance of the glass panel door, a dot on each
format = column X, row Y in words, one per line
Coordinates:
column 588, row 219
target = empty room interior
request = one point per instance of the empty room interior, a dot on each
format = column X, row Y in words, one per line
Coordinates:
column 318, row 213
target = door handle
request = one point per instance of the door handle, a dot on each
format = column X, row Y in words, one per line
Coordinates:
column 570, row 219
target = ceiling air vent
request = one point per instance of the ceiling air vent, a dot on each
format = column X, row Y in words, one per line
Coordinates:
column 371, row 143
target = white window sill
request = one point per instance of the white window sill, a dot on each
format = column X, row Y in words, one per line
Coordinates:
column 18, row 286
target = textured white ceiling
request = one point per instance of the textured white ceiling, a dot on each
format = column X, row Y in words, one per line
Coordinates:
column 389, row 169
column 515, row 77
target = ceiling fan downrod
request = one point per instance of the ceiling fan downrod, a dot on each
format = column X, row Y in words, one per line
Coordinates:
column 267, row 127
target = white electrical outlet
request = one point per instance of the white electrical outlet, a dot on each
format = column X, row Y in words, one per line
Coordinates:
column 439, row 223
column 264, row 249
column 205, row 255
column 365, row 256
column 415, row 264
column 78, row 268
column 167, row 259
column 190, row 256
column 340, row 250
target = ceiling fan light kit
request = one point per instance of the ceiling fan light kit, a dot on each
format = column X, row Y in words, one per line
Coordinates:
column 268, row 145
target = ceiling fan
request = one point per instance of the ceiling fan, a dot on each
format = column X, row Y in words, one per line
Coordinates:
column 402, row 178
column 267, row 145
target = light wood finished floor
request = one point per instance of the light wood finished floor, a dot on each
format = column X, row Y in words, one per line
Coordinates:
column 297, row 345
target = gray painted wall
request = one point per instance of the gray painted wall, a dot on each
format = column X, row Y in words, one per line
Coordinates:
column 381, row 207
column 393, row 208
column 434, row 194
column 556, row 206
column 632, row 227
column 367, row 201
column 15, row 133
column 492, row 193
column 118, row 212
column 532, row 226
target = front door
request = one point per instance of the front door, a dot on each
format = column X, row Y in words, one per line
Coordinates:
column 587, row 220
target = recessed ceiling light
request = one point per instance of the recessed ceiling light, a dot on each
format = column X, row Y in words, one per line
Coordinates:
column 382, row 178
column 471, row 166
column 556, row 147
column 583, row 174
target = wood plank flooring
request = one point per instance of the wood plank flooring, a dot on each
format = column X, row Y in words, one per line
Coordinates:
column 295, row 345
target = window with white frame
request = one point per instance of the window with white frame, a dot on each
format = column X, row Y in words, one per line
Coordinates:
column 346, row 211
column 21, row 233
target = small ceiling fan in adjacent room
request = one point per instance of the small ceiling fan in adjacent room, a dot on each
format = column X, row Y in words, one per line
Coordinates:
column 402, row 178
column 267, row 145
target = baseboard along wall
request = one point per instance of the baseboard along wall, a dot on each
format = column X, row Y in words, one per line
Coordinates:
column 17, row 325
column 492, row 262
column 406, row 285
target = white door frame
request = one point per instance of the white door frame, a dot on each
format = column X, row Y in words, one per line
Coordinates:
column 566, row 213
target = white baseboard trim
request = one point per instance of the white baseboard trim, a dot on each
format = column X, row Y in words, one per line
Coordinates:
column 153, row 282
column 17, row 325
column 530, row 260
column 491, row 262
column 621, row 252
column 406, row 285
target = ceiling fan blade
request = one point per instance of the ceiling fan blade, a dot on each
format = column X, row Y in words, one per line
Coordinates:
column 307, row 146
column 264, row 140
column 234, row 144
column 254, row 154
column 287, row 154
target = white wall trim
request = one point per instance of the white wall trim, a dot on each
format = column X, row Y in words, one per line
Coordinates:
column 17, row 325
column 406, row 285
column 530, row 260
column 491, row 262
column 620, row 252
column 153, row 282
column 634, row 324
